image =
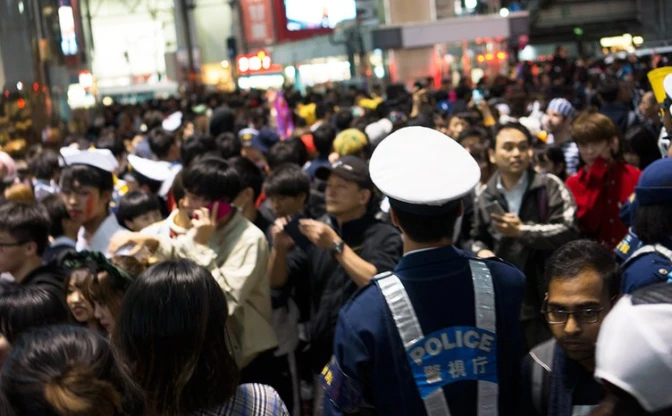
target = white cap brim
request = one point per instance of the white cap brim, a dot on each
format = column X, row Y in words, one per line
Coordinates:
column 168, row 183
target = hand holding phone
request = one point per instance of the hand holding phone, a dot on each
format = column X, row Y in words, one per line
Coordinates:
column 494, row 207
column 292, row 229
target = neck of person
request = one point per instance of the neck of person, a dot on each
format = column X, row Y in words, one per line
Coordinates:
column 588, row 364
column 565, row 135
column 249, row 212
column 26, row 268
column 94, row 223
column 182, row 219
column 510, row 180
column 352, row 215
column 410, row 245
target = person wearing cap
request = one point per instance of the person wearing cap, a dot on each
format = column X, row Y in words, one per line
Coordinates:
column 343, row 253
column 522, row 217
column 633, row 355
column 652, row 262
column 582, row 283
column 631, row 242
column 560, row 114
column 256, row 145
column 87, row 184
column 439, row 334
column 604, row 183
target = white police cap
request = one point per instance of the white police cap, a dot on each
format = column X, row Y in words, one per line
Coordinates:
column 422, row 170
column 168, row 183
column 98, row 158
column 172, row 122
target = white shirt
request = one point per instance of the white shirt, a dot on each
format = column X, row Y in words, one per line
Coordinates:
column 101, row 238
column 514, row 197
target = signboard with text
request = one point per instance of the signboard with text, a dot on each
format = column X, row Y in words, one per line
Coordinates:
column 258, row 22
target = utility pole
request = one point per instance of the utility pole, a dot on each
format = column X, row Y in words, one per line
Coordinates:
column 187, row 6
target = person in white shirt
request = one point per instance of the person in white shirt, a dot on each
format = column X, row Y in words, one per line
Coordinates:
column 87, row 184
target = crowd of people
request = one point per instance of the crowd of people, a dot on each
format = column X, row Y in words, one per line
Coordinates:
column 246, row 253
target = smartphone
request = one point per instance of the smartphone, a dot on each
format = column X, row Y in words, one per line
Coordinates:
column 494, row 207
column 292, row 230
column 223, row 209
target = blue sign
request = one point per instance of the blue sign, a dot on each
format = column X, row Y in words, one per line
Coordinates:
column 458, row 353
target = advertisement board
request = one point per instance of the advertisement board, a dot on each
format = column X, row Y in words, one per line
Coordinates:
column 318, row 14
column 258, row 22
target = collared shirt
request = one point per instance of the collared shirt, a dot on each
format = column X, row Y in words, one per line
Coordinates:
column 101, row 238
column 237, row 257
column 166, row 228
column 514, row 197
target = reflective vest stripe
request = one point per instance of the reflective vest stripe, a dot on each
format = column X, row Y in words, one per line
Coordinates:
column 657, row 248
column 486, row 318
column 410, row 332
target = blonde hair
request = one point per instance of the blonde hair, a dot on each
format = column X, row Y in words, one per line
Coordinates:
column 79, row 392
column 20, row 193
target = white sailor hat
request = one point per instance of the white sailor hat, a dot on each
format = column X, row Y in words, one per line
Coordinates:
column 172, row 122
column 168, row 183
column 150, row 169
column 423, row 171
column 99, row 158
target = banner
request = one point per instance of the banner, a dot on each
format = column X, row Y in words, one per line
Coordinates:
column 258, row 22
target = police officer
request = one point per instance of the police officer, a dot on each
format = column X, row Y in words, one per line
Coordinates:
column 652, row 262
column 631, row 242
column 439, row 335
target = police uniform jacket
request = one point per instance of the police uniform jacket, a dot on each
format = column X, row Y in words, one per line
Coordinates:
column 647, row 269
column 370, row 372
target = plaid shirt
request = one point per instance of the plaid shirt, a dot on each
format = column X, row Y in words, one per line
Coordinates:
column 250, row 400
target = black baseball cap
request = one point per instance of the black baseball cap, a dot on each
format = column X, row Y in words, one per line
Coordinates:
column 350, row 168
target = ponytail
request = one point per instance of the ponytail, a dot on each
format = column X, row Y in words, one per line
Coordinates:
column 79, row 392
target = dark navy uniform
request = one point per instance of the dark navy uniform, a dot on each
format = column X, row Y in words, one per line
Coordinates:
column 630, row 243
column 438, row 335
column 647, row 266
column 371, row 371
column 650, row 263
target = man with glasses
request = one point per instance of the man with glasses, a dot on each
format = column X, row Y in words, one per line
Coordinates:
column 557, row 375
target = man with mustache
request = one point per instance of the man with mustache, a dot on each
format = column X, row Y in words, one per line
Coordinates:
column 557, row 375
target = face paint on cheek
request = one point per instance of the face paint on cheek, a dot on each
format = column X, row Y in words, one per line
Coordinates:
column 90, row 209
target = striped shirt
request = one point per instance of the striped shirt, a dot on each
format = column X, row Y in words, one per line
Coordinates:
column 250, row 400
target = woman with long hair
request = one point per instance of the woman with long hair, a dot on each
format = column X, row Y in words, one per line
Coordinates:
column 103, row 283
column 172, row 331
column 75, row 287
column 70, row 371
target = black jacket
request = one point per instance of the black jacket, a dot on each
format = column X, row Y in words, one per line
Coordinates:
column 50, row 276
column 331, row 287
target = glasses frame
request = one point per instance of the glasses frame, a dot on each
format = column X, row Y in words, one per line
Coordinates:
column 545, row 311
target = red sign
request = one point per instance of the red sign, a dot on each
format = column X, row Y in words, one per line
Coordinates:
column 258, row 22
column 257, row 63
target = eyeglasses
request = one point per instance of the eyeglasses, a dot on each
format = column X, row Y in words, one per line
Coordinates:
column 558, row 316
column 16, row 244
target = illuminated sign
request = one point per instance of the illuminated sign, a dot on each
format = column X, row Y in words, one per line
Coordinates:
column 258, row 63
column 66, row 21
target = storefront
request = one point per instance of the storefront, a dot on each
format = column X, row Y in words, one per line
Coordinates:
column 258, row 71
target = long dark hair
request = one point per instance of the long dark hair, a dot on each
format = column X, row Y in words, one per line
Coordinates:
column 27, row 307
column 68, row 370
column 172, row 330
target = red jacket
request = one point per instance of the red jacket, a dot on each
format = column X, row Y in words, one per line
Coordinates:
column 599, row 192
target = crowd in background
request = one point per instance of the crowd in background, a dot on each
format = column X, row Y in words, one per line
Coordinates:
column 191, row 255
